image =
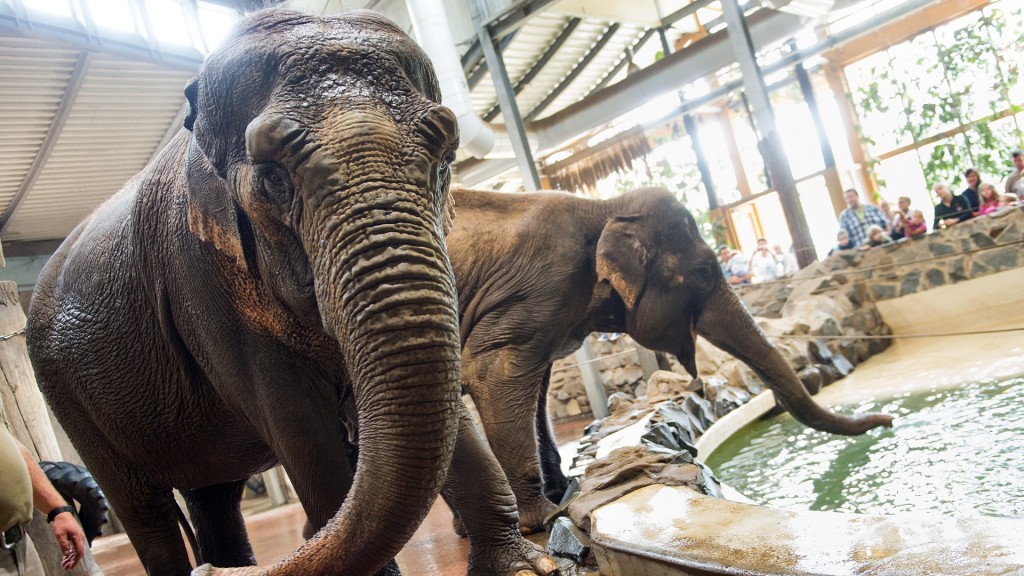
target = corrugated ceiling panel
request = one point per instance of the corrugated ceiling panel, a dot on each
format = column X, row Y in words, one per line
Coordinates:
column 592, row 74
column 534, row 39
column 120, row 116
column 33, row 77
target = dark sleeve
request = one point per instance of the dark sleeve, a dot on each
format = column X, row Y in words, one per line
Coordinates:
column 938, row 216
column 964, row 210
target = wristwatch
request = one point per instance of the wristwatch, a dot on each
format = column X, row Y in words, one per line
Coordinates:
column 58, row 511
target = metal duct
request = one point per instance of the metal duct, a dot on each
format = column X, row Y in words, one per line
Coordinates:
column 430, row 23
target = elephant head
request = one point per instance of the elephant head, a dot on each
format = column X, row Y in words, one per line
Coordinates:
column 673, row 290
column 318, row 170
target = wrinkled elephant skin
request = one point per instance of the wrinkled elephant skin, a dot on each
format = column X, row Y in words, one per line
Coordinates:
column 537, row 273
column 284, row 255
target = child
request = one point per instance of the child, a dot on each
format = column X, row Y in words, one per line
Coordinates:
column 989, row 199
column 916, row 227
column 876, row 237
column 1007, row 200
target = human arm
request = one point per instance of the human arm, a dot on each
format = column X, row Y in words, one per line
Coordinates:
column 45, row 498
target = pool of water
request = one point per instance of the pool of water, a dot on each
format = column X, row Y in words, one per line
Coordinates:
column 957, row 451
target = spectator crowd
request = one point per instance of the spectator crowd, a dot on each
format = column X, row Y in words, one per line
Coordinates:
column 863, row 225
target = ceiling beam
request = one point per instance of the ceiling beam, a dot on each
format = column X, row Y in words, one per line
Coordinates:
column 71, row 32
column 684, row 12
column 539, row 65
column 624, row 61
column 575, row 72
column 74, row 84
column 481, row 69
column 516, row 16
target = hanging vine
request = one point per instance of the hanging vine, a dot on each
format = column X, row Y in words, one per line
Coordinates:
column 969, row 62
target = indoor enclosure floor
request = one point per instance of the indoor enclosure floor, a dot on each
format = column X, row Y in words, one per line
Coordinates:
column 434, row 550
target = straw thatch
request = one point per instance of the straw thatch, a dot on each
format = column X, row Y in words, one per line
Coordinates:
column 583, row 170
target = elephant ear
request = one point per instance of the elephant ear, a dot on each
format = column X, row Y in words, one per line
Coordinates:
column 623, row 258
column 213, row 215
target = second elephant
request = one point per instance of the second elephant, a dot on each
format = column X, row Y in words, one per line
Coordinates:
column 536, row 273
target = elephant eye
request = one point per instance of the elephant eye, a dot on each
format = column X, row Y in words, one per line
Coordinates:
column 274, row 177
column 706, row 272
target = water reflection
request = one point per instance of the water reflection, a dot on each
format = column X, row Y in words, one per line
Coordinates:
column 955, row 452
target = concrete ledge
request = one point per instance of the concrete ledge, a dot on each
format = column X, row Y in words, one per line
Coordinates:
column 660, row 531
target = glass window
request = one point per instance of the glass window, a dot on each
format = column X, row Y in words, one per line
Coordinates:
column 879, row 105
column 169, row 23
column 901, row 175
column 716, row 150
column 55, row 7
column 215, row 21
column 796, row 129
column 112, row 15
column 821, row 217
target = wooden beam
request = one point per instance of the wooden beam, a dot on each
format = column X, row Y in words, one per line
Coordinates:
column 56, row 126
column 851, row 126
column 901, row 29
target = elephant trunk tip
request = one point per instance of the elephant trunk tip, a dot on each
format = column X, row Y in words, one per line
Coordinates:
column 856, row 425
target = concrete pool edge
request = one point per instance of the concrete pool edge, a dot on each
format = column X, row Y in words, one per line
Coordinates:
column 661, row 530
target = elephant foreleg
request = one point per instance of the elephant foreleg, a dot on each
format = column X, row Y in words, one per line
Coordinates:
column 555, row 482
column 217, row 517
column 149, row 517
column 505, row 386
column 477, row 489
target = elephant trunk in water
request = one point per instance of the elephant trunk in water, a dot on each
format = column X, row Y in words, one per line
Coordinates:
column 727, row 324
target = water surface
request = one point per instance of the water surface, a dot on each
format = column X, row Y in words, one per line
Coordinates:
column 958, row 451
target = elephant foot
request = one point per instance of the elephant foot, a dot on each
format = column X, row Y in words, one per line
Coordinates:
column 531, row 517
column 520, row 557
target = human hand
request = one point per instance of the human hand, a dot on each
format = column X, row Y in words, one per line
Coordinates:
column 71, row 538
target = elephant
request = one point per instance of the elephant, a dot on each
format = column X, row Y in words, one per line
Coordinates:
column 283, row 257
column 536, row 273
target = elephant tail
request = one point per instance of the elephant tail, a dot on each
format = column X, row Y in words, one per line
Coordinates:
column 190, row 534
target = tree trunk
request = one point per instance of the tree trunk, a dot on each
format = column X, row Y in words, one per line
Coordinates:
column 23, row 410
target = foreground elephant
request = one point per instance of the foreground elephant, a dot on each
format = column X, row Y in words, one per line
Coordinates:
column 537, row 273
column 284, row 254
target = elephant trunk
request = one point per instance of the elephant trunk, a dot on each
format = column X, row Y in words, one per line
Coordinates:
column 386, row 291
column 727, row 324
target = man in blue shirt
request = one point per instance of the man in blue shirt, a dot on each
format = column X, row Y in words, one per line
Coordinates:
column 858, row 217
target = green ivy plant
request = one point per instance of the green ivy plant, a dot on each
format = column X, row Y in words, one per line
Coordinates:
column 968, row 61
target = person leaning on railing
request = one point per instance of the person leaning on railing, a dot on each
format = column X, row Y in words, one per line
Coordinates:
column 22, row 485
column 1015, row 182
column 951, row 209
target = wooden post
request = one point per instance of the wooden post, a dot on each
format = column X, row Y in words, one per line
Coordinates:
column 23, row 410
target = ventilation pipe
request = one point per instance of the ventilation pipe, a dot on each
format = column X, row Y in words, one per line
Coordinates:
column 430, row 22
